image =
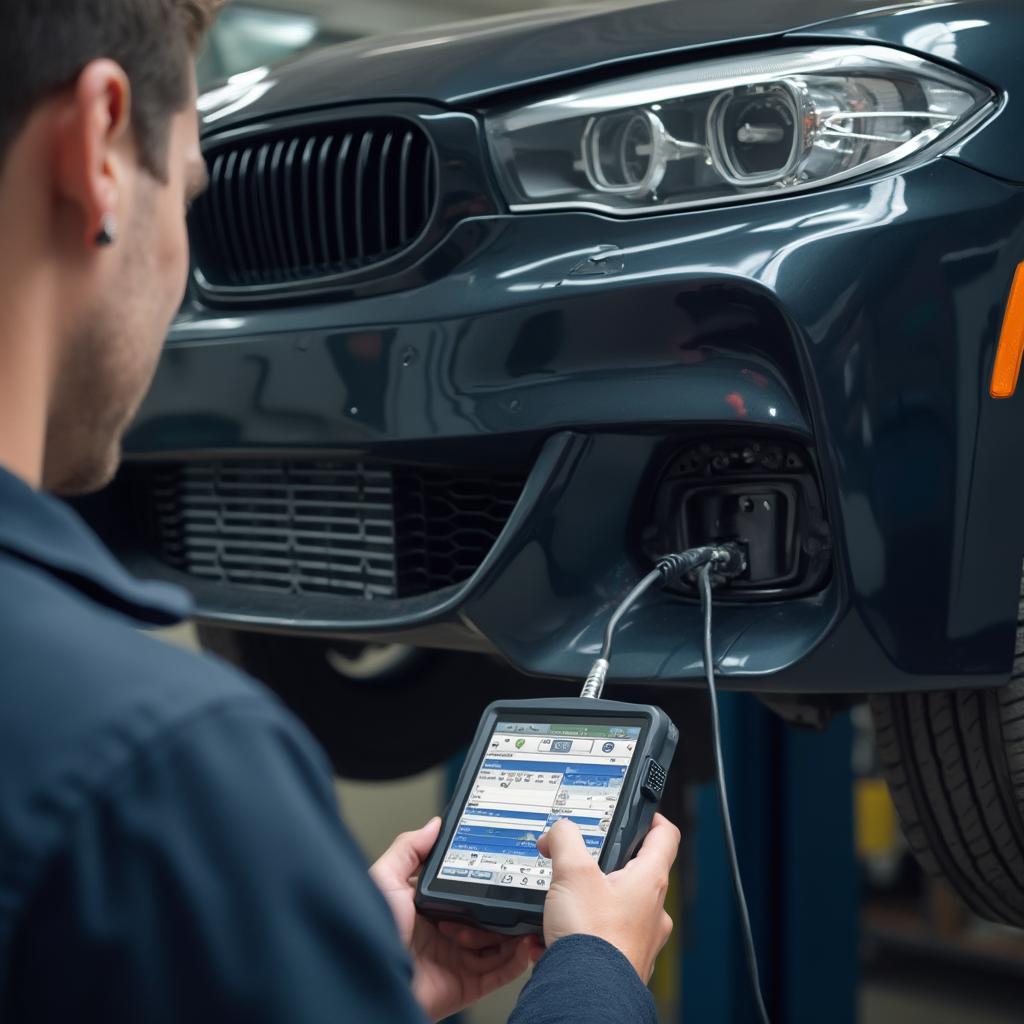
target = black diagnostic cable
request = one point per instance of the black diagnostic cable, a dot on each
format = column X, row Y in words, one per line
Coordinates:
column 727, row 561
column 723, row 799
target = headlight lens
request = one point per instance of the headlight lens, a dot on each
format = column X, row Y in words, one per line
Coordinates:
column 731, row 129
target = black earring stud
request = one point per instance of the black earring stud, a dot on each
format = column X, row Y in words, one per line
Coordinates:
column 107, row 233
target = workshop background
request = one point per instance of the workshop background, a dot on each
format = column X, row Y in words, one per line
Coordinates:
column 844, row 919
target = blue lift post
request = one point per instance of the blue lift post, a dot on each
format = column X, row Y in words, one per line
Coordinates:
column 791, row 795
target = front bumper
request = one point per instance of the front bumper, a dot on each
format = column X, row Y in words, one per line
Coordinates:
column 860, row 321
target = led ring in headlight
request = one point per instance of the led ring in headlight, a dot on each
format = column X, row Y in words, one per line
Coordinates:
column 735, row 128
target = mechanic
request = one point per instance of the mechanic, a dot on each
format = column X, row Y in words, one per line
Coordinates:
column 170, row 848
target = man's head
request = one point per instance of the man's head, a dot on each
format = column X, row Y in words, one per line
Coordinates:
column 98, row 136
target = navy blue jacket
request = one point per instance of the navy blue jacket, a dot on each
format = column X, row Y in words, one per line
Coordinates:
column 170, row 848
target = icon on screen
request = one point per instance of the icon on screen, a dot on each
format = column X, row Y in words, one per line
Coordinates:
column 520, row 744
column 608, row 747
column 561, row 746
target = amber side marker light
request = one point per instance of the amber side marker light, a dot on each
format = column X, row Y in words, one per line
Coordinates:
column 1011, row 341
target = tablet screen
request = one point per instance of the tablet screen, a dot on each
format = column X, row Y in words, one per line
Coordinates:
column 535, row 772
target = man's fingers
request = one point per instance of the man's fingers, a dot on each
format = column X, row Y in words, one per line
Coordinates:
column 660, row 846
column 499, row 951
column 503, row 965
column 404, row 857
column 467, row 937
column 563, row 845
column 422, row 840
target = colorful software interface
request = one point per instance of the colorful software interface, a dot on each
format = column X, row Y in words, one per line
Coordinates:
column 533, row 774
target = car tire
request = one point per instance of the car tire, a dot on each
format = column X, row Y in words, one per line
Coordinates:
column 954, row 762
column 413, row 711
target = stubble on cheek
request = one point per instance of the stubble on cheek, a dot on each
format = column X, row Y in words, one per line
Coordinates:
column 108, row 364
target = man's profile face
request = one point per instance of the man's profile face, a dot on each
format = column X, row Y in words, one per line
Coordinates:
column 110, row 361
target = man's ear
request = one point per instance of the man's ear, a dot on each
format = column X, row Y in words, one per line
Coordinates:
column 93, row 145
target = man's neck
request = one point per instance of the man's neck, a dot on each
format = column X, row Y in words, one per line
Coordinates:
column 27, row 328
column 34, row 304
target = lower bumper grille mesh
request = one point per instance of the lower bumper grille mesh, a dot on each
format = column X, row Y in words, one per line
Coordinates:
column 322, row 527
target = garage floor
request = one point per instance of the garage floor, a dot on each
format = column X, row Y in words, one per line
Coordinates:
column 925, row 993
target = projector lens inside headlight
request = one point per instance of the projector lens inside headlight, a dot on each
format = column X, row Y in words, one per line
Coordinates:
column 732, row 129
column 619, row 152
column 755, row 133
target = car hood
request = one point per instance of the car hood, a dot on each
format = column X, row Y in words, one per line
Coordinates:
column 467, row 61
column 473, row 62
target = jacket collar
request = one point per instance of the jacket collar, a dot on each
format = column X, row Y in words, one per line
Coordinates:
column 42, row 531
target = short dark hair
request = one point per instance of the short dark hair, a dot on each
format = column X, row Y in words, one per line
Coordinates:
column 45, row 44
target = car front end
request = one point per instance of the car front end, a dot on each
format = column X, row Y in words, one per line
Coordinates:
column 468, row 343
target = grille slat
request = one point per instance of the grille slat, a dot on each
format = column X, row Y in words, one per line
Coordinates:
column 276, row 190
column 246, row 220
column 384, row 190
column 270, row 552
column 362, row 162
column 403, row 187
column 213, row 227
column 339, row 198
column 321, row 527
column 327, row 257
column 232, row 214
column 302, row 204
column 264, row 230
column 306, row 221
column 428, row 185
column 290, row 176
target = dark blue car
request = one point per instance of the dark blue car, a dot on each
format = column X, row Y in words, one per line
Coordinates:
column 484, row 319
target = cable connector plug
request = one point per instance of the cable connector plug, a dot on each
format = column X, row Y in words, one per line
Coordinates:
column 728, row 561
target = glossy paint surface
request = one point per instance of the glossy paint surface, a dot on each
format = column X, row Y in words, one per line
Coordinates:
column 862, row 319
column 456, row 63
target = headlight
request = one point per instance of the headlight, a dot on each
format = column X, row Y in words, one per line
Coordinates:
column 732, row 129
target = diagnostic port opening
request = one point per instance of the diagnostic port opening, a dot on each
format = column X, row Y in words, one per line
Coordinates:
column 762, row 494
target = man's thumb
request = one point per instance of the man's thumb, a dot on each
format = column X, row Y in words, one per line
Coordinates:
column 563, row 844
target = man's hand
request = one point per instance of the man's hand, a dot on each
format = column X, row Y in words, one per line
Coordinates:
column 625, row 908
column 455, row 965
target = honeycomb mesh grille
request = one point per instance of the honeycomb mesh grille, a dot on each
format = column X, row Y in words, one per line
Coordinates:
column 321, row 527
column 447, row 524
column 300, row 204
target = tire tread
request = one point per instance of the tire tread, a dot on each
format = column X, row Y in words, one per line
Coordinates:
column 954, row 762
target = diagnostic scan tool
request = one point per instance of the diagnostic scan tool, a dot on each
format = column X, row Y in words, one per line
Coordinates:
column 601, row 764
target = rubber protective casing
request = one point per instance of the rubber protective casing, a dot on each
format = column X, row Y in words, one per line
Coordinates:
column 631, row 822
